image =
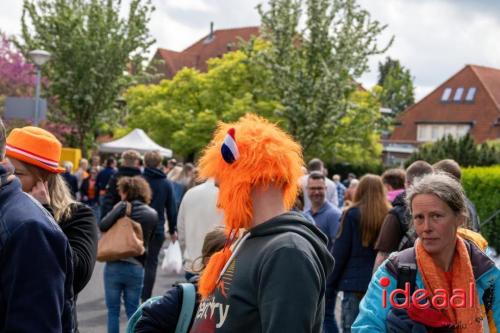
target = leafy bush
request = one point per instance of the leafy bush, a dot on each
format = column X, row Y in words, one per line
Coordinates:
column 482, row 186
column 463, row 150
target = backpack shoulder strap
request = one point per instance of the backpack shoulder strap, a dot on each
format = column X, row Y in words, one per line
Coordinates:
column 403, row 267
column 132, row 322
column 188, row 303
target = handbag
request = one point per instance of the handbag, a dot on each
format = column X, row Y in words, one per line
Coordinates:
column 123, row 240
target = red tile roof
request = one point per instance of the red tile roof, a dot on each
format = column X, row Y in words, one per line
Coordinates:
column 196, row 55
column 483, row 113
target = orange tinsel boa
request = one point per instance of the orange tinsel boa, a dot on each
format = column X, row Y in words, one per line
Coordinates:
column 466, row 319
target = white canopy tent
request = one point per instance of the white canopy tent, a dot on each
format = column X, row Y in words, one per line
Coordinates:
column 137, row 140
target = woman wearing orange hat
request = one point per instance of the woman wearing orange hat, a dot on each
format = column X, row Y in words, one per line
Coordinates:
column 35, row 154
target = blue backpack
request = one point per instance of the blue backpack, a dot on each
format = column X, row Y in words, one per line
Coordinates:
column 188, row 303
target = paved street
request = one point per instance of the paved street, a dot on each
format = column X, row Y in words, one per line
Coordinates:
column 92, row 314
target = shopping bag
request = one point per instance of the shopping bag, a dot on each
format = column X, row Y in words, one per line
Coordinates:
column 172, row 261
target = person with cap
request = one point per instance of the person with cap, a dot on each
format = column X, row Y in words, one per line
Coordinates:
column 129, row 168
column 272, row 279
column 34, row 153
column 36, row 274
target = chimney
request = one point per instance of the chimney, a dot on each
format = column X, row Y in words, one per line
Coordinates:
column 210, row 36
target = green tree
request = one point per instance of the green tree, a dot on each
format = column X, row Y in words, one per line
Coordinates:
column 397, row 82
column 92, row 46
column 182, row 113
column 360, row 129
column 314, row 68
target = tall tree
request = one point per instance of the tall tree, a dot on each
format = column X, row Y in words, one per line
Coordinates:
column 182, row 113
column 314, row 67
column 92, row 47
column 397, row 84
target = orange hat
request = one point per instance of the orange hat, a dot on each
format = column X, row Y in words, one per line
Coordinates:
column 35, row 146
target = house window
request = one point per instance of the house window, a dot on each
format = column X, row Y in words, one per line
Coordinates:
column 434, row 132
column 446, row 95
column 458, row 95
column 471, row 94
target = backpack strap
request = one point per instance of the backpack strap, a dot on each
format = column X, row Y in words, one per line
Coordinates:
column 132, row 322
column 188, row 303
column 407, row 269
column 403, row 267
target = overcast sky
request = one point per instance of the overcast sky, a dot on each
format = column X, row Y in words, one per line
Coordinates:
column 434, row 38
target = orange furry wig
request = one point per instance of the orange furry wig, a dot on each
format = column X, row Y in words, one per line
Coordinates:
column 265, row 155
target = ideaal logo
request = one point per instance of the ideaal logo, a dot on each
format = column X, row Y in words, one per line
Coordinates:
column 422, row 299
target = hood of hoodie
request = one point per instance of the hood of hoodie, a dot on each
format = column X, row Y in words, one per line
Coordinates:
column 154, row 173
column 295, row 222
column 128, row 171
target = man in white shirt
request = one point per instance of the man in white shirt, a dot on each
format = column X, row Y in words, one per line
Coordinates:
column 331, row 189
column 198, row 215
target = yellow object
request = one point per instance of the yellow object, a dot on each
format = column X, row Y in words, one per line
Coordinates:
column 473, row 236
column 73, row 155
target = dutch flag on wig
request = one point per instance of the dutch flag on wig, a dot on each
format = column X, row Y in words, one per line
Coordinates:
column 229, row 148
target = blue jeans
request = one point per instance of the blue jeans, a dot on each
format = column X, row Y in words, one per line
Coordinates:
column 350, row 309
column 125, row 278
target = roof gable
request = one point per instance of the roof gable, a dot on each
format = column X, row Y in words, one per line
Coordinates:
column 196, row 55
column 490, row 78
column 450, row 103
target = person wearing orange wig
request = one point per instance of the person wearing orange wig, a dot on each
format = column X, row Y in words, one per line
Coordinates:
column 271, row 274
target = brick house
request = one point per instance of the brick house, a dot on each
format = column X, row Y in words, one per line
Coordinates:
column 468, row 102
column 215, row 44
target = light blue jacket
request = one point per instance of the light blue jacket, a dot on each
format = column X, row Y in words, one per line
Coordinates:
column 372, row 315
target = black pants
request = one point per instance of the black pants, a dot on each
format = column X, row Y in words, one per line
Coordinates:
column 151, row 265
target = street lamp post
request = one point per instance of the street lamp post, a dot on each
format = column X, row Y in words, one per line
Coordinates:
column 39, row 57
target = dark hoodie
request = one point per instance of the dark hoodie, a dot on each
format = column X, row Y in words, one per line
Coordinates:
column 163, row 200
column 276, row 282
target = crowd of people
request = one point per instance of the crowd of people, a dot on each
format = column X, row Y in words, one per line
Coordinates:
column 270, row 246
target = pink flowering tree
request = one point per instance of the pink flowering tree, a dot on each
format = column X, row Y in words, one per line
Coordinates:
column 17, row 76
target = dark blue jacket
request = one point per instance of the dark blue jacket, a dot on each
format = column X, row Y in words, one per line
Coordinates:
column 72, row 182
column 111, row 198
column 36, row 271
column 163, row 200
column 103, row 178
column 353, row 262
column 162, row 315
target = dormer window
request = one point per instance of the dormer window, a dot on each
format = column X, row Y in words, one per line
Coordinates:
column 446, row 95
column 458, row 95
column 471, row 94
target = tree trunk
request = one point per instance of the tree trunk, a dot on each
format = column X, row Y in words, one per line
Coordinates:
column 81, row 140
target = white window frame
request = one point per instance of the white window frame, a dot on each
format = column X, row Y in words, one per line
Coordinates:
column 459, row 92
column 470, row 97
column 434, row 132
column 446, row 95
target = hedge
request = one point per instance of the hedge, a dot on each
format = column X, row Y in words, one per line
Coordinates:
column 482, row 186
